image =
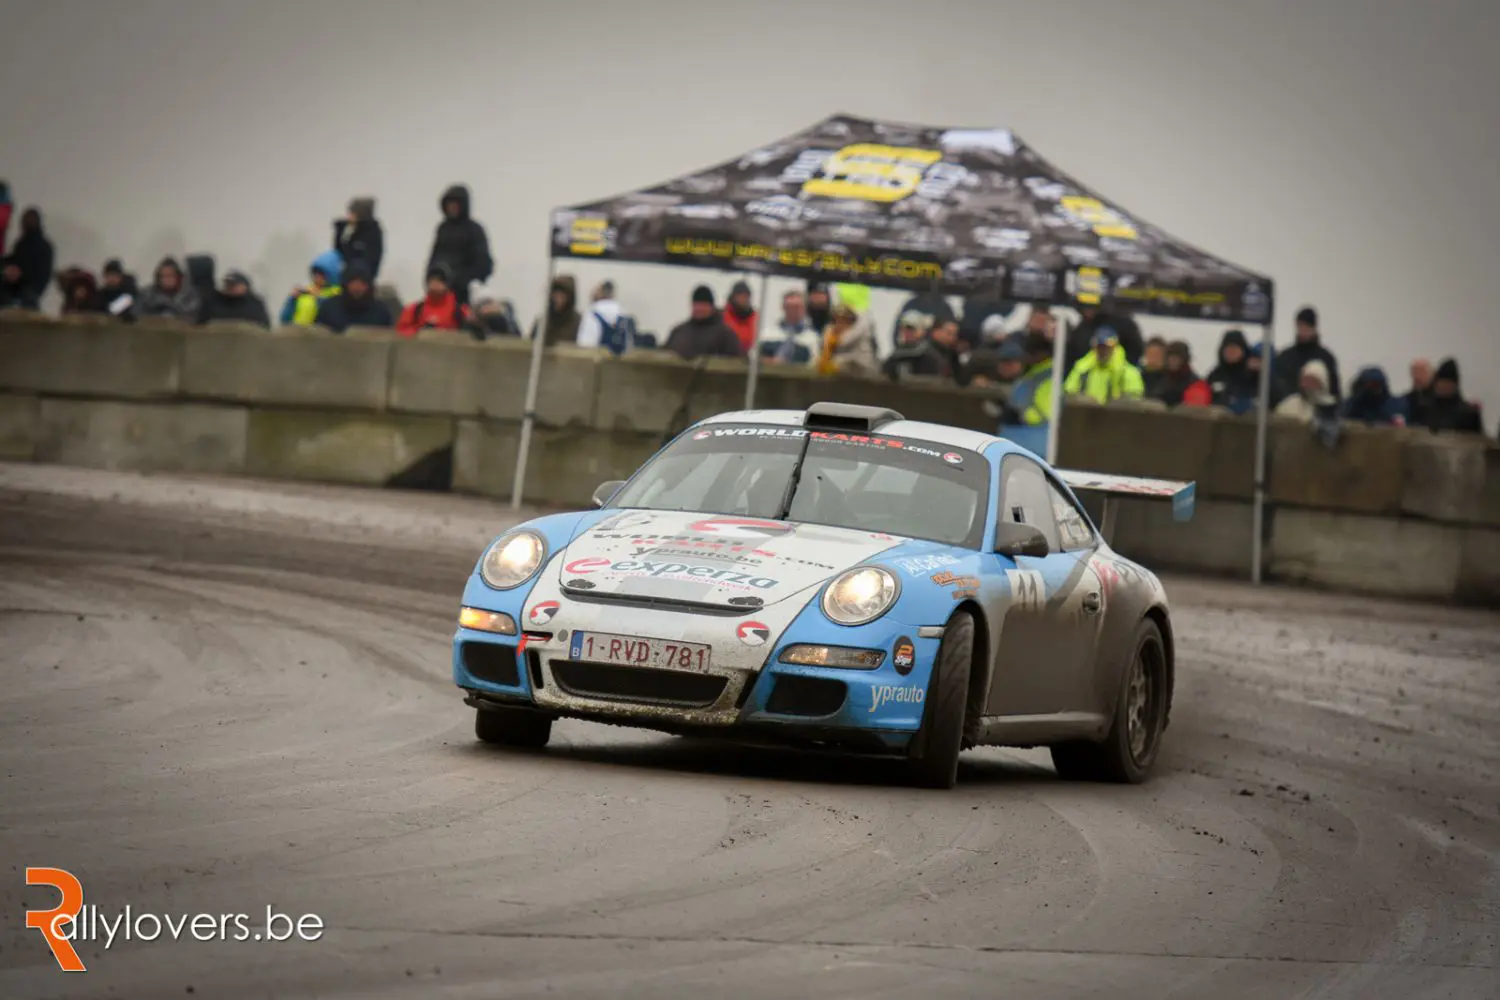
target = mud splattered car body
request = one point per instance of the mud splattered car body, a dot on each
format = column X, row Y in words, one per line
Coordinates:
column 840, row 578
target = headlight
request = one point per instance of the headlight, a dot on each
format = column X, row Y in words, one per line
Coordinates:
column 859, row 596
column 833, row 656
column 512, row 560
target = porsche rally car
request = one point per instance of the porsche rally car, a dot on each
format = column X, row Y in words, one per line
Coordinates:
column 840, row 578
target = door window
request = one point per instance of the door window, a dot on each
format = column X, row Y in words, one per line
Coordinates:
column 1072, row 527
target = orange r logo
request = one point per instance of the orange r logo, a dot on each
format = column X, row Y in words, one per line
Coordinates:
column 47, row 921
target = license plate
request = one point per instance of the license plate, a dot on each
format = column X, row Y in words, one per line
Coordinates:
column 635, row 651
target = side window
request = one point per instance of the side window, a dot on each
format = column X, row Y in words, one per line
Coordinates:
column 1072, row 526
column 1026, row 498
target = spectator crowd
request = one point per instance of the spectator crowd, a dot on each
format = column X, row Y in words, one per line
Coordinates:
column 828, row 328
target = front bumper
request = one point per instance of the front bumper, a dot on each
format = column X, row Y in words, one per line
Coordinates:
column 746, row 693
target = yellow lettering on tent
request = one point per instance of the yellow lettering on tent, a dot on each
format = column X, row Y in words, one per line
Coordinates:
column 1090, row 286
column 588, row 237
column 872, row 172
column 1104, row 220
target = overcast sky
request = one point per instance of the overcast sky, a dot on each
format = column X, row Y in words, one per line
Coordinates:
column 1347, row 148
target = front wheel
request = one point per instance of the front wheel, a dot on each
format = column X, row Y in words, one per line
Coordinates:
column 512, row 727
column 942, row 731
column 1127, row 753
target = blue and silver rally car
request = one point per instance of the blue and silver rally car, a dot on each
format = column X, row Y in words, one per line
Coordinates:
column 840, row 578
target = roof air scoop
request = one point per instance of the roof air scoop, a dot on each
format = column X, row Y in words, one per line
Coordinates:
column 848, row 417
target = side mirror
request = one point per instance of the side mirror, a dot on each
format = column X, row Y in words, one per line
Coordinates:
column 1014, row 539
column 607, row 490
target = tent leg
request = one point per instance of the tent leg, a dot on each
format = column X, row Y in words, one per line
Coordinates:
column 1262, row 423
column 533, row 382
column 760, row 318
column 1059, row 359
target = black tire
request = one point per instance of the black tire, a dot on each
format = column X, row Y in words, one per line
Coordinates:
column 1127, row 753
column 512, row 727
column 942, row 733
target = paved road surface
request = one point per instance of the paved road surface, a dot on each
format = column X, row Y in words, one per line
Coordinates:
column 218, row 696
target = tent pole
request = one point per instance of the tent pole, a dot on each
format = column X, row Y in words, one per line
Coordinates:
column 760, row 318
column 533, row 382
column 1262, row 423
column 1059, row 359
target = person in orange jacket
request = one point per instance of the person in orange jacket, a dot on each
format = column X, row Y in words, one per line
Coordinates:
column 439, row 309
column 740, row 315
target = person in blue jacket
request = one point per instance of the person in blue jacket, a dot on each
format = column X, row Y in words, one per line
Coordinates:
column 301, row 307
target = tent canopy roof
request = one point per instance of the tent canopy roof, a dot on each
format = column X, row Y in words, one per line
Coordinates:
column 966, row 211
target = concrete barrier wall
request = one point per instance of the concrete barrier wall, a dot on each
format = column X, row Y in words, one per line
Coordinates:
column 1403, row 512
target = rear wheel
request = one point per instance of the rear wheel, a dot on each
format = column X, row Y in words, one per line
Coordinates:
column 512, row 727
column 947, row 696
column 1127, row 753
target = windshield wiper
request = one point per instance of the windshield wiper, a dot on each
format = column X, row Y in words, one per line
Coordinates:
column 791, row 486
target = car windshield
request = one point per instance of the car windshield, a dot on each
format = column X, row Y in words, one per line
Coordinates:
column 869, row 482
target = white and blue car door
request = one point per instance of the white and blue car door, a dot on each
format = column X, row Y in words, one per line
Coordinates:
column 1040, row 658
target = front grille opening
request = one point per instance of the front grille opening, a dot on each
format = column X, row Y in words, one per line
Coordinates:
column 490, row 661
column 807, row 696
column 638, row 684
column 534, row 666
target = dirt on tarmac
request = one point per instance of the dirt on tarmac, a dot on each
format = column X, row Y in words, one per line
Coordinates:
column 218, row 696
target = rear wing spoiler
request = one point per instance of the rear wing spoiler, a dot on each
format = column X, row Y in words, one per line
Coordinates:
column 1181, row 494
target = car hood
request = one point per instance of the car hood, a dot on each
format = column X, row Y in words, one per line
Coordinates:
column 709, row 559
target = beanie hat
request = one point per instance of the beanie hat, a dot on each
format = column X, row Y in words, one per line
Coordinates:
column 739, row 286
column 1180, row 349
column 1106, row 335
column 440, row 270
column 1447, row 370
column 1307, row 315
column 703, row 294
column 113, row 266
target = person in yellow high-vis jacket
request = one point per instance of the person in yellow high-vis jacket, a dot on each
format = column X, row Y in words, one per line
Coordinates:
column 1104, row 374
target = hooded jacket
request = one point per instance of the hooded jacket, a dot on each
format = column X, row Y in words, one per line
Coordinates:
column 182, row 304
column 743, row 324
column 936, row 305
column 460, row 245
column 1106, row 381
column 247, row 308
column 15, row 294
column 80, row 292
column 1450, row 413
column 560, row 326
column 1031, row 396
column 361, row 241
column 344, row 310
column 1291, row 361
column 301, row 308
column 700, row 338
column 1180, row 388
column 1234, row 385
column 33, row 251
column 1370, row 400
column 119, row 301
